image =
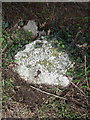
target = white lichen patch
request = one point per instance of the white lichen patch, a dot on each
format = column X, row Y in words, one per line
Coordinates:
column 39, row 63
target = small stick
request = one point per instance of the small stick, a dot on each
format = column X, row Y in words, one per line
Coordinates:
column 81, row 91
column 4, row 49
column 86, row 71
column 47, row 93
column 77, row 88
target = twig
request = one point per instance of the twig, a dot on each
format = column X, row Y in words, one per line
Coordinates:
column 86, row 70
column 81, row 91
column 77, row 35
column 78, row 88
column 42, row 91
column 75, row 85
column 4, row 49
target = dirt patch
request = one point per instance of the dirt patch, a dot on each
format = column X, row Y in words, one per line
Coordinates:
column 23, row 93
column 26, row 102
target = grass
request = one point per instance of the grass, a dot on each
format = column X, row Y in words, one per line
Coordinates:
column 61, row 109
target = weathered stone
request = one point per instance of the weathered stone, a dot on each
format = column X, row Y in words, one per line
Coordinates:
column 31, row 27
column 41, row 63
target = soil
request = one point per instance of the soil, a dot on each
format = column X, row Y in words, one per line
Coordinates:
column 23, row 94
column 24, row 101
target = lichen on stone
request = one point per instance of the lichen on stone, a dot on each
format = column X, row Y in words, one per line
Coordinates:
column 46, row 59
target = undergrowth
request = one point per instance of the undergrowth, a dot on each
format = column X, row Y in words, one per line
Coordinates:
column 12, row 43
column 73, row 39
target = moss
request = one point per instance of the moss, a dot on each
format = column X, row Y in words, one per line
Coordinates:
column 55, row 53
column 49, row 65
column 45, row 62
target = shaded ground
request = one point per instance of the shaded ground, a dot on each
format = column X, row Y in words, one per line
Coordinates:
column 24, row 101
column 20, row 100
column 23, row 97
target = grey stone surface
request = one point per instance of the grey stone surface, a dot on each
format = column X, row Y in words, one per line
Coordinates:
column 31, row 27
column 40, row 63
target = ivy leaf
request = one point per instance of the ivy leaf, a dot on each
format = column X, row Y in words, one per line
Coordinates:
column 1, row 40
column 5, row 25
column 21, row 23
column 38, row 45
column 63, row 46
